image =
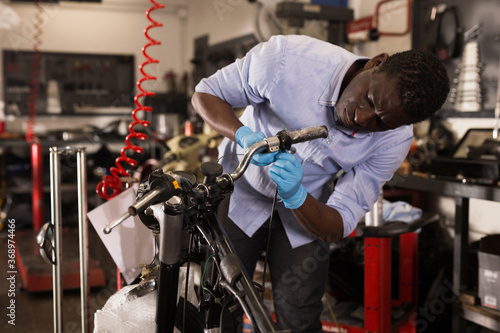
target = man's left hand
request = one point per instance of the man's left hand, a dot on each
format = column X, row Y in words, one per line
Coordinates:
column 287, row 173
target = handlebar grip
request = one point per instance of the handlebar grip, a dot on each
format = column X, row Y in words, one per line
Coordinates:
column 307, row 134
column 163, row 188
column 140, row 205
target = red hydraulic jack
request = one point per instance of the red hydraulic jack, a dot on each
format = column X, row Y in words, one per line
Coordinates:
column 378, row 301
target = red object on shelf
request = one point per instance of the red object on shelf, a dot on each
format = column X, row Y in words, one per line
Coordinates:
column 37, row 180
column 188, row 128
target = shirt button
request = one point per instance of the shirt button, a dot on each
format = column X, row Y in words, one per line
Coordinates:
column 323, row 147
column 328, row 141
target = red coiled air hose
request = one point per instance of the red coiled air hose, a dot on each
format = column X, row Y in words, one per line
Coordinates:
column 110, row 185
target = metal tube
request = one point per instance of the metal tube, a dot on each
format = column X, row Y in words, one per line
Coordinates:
column 55, row 190
column 108, row 228
column 247, row 157
column 141, row 204
column 83, row 237
column 374, row 218
column 55, row 196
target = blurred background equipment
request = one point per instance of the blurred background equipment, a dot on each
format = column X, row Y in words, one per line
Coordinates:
column 468, row 94
column 70, row 83
column 382, row 23
column 336, row 16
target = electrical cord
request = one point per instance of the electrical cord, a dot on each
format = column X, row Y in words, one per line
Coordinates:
column 268, row 242
column 273, row 207
column 330, row 308
column 203, row 278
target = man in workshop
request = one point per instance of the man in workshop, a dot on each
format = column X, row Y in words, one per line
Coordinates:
column 368, row 105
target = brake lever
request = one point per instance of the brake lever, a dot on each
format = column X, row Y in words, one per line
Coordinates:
column 134, row 209
column 163, row 187
column 108, row 228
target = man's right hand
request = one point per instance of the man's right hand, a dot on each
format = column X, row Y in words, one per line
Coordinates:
column 245, row 137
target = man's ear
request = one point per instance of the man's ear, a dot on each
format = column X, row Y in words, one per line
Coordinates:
column 377, row 60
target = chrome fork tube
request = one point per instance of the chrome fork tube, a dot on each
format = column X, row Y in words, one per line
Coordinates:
column 55, row 208
column 83, row 237
column 56, row 220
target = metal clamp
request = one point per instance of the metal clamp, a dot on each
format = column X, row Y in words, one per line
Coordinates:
column 273, row 144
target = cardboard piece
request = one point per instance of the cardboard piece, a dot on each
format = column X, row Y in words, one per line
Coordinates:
column 131, row 244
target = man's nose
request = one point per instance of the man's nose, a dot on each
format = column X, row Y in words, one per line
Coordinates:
column 364, row 117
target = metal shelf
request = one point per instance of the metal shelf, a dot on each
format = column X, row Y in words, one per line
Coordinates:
column 46, row 189
column 451, row 113
column 82, row 114
column 23, row 143
column 480, row 315
column 462, row 192
column 428, row 183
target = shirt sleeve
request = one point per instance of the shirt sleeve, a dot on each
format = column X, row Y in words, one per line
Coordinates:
column 248, row 80
column 357, row 190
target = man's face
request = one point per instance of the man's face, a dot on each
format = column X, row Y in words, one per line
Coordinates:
column 370, row 102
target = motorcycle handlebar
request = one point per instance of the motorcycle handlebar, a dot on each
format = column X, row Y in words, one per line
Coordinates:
column 163, row 186
column 281, row 141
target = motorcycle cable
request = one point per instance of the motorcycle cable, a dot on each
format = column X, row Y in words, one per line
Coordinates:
column 266, row 254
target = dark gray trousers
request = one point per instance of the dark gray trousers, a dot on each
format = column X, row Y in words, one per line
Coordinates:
column 298, row 276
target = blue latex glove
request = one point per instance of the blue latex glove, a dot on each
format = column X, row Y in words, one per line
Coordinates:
column 245, row 137
column 287, row 173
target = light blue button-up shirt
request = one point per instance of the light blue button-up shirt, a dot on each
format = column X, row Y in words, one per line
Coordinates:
column 292, row 82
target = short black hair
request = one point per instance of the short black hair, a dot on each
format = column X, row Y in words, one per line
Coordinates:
column 422, row 79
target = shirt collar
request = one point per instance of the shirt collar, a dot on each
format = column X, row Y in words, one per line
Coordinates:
column 330, row 95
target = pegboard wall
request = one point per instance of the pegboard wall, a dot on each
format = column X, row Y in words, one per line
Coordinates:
column 69, row 83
